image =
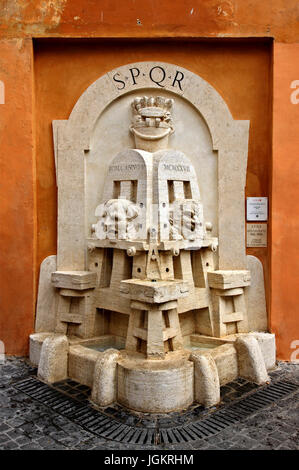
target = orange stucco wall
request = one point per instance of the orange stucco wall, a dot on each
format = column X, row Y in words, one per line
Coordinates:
column 285, row 200
column 17, row 201
column 150, row 18
column 46, row 86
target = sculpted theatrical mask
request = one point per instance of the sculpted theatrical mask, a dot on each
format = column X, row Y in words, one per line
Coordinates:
column 186, row 219
column 116, row 219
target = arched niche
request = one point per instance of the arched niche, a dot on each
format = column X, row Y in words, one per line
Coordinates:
column 74, row 141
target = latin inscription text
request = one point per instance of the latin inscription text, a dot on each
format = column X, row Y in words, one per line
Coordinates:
column 157, row 75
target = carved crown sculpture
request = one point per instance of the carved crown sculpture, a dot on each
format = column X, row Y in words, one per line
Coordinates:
column 152, row 117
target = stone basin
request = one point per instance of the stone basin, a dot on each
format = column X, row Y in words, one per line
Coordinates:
column 197, row 342
column 201, row 347
column 83, row 355
column 102, row 343
column 161, row 385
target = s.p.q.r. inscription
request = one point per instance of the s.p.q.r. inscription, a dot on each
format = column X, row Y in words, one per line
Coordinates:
column 157, row 75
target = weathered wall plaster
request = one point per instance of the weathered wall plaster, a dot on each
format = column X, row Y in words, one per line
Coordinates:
column 111, row 18
column 17, row 196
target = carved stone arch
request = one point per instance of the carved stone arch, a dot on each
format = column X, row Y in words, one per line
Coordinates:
column 72, row 140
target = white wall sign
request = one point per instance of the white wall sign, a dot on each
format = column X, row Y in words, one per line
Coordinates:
column 257, row 208
column 256, row 235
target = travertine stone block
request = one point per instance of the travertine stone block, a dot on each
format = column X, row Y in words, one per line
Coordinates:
column 47, row 297
column 199, row 339
column 239, row 303
column 226, row 360
column 104, row 389
column 223, row 279
column 229, row 292
column 266, row 343
column 135, row 304
column 250, row 360
column 153, row 292
column 158, row 388
column 77, row 280
column 81, row 364
column 135, row 320
column 197, row 298
column 155, row 344
column 176, row 335
column 230, row 313
column 36, row 341
column 255, row 296
column 71, row 198
column 53, row 359
column 206, row 379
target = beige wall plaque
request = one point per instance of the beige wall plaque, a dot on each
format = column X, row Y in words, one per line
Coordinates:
column 256, row 235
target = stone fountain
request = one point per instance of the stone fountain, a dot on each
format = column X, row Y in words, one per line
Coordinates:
column 145, row 302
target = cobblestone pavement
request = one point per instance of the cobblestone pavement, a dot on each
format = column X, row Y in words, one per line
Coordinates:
column 27, row 424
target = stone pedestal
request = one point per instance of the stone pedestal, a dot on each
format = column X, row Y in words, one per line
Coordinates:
column 154, row 326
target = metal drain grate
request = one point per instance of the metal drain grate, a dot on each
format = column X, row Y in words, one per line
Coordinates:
column 226, row 416
column 107, row 426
